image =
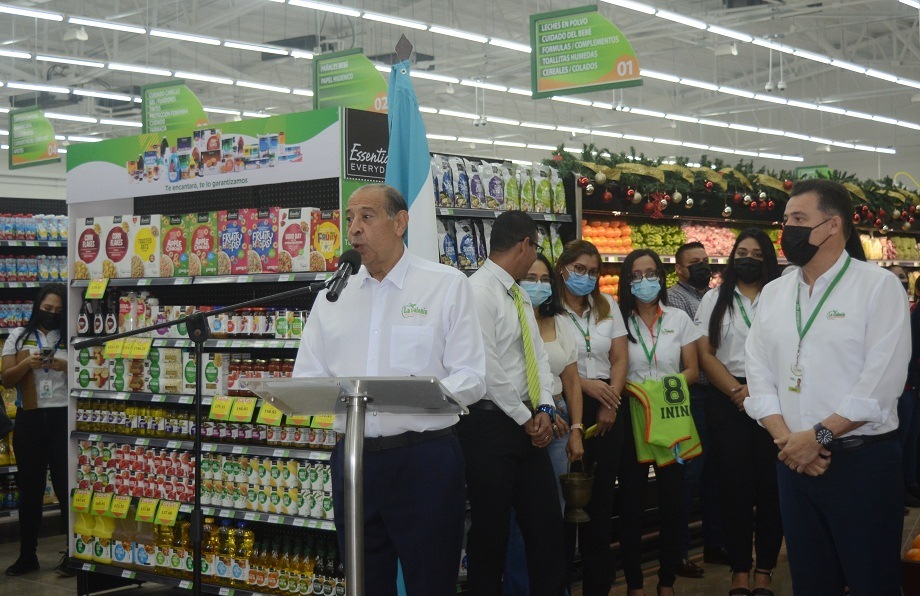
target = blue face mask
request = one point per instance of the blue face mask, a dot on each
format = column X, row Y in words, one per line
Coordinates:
column 580, row 284
column 539, row 291
column 646, row 291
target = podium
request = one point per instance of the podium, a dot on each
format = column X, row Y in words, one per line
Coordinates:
column 355, row 397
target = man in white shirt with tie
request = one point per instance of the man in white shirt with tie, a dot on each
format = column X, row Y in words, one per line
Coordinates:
column 505, row 435
column 400, row 315
column 826, row 362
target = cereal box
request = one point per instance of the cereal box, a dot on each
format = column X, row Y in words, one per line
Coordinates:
column 262, row 229
column 174, row 247
column 116, row 246
column 326, row 247
column 144, row 238
column 201, row 232
column 233, row 242
column 214, row 376
column 90, row 253
column 294, row 239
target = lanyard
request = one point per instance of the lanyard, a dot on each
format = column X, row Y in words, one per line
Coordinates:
column 650, row 356
column 585, row 332
column 743, row 312
column 814, row 313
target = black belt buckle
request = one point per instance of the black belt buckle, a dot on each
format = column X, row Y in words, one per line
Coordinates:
column 857, row 441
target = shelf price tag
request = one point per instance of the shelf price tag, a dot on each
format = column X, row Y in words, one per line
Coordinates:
column 127, row 347
column 167, row 513
column 146, row 509
column 323, row 421
column 243, row 409
column 96, row 289
column 102, row 502
column 114, row 348
column 119, row 507
column 270, row 415
column 220, row 407
column 141, row 347
column 82, row 498
column 299, row 420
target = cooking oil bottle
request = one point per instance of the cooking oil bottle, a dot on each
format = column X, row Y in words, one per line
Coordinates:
column 225, row 551
column 209, row 544
column 164, row 541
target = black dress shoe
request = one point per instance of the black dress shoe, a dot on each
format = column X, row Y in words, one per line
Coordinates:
column 688, row 568
column 715, row 556
column 23, row 565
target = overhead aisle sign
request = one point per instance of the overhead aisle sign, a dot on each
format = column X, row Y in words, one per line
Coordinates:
column 170, row 106
column 31, row 139
column 349, row 80
column 578, row 50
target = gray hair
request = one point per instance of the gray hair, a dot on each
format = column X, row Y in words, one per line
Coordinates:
column 394, row 199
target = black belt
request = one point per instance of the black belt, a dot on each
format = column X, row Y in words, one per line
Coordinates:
column 490, row 406
column 857, row 441
column 405, row 439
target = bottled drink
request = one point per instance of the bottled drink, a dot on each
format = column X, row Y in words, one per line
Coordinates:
column 284, row 566
column 226, row 549
column 98, row 319
column 245, row 541
column 209, row 545
column 111, row 313
column 272, row 567
column 84, row 323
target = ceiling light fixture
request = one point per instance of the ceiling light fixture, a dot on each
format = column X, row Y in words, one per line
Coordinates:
column 107, row 25
column 102, row 94
column 37, row 87
column 28, row 12
column 263, row 87
column 221, row 111
column 304, row 92
column 483, row 85
column 474, row 37
column 326, row 7
column 82, row 139
column 302, row 54
column 70, row 117
column 210, row 41
column 256, row 115
column 679, row 18
column 15, row 54
column 510, row 45
column 160, row 72
column 382, row 18
column 127, row 123
column 730, row 33
column 181, row 74
column 73, row 61
column 254, row 47
column 421, row 74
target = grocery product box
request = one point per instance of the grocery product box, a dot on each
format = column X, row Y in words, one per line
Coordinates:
column 116, row 246
column 214, row 377
column 173, row 247
column 233, row 242
column 201, row 235
column 144, row 239
column 326, row 245
column 163, row 369
column 262, row 229
column 294, row 239
column 89, row 253
column 126, row 374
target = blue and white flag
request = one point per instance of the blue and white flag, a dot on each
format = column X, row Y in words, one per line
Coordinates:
column 409, row 163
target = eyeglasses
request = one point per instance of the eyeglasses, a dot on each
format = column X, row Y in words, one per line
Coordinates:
column 582, row 270
column 637, row 276
column 536, row 247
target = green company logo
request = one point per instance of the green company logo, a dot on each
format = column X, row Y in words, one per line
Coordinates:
column 410, row 310
column 835, row 314
column 667, row 331
column 210, row 372
column 190, row 371
column 84, row 357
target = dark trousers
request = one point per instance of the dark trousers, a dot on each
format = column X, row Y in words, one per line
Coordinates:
column 909, row 433
column 594, row 536
column 503, row 470
column 844, row 528
column 413, row 511
column 669, row 481
column 701, row 478
column 745, row 456
column 40, row 443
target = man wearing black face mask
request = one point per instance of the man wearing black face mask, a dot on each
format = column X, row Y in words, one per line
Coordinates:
column 693, row 275
column 826, row 360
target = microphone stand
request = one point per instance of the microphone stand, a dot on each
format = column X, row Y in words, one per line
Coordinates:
column 199, row 331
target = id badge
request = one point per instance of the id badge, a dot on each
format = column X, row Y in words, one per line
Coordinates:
column 45, row 389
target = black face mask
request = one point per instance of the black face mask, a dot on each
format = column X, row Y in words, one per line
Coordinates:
column 906, row 286
column 48, row 320
column 749, row 269
column 796, row 247
column 700, row 274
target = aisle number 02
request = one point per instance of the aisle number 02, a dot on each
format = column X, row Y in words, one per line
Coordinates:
column 381, row 103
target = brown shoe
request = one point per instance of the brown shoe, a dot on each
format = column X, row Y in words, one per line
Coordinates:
column 689, row 569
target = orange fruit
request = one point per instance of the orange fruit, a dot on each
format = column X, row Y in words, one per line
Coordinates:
column 625, row 230
column 913, row 554
column 615, row 223
column 615, row 233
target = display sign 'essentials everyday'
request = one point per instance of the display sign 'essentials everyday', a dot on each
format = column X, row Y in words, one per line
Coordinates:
column 349, row 80
column 366, row 149
column 31, row 139
column 578, row 50
column 170, row 106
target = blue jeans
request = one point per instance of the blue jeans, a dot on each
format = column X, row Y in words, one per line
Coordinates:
column 908, row 433
column 701, row 478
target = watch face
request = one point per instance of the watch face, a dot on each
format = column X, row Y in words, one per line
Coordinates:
column 824, row 436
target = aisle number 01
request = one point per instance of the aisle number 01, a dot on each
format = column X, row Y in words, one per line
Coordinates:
column 626, row 67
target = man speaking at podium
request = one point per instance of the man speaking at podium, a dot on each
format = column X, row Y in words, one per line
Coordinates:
column 400, row 315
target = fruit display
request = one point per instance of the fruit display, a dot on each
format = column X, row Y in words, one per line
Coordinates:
column 903, row 248
column 609, row 236
column 717, row 240
column 663, row 238
column 609, row 284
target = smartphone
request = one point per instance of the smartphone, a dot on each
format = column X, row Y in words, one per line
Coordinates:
column 47, row 354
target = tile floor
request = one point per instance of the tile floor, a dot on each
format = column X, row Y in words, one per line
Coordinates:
column 46, row 583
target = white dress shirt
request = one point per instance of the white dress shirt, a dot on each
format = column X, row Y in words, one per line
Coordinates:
column 854, row 357
column 420, row 320
column 677, row 330
column 506, row 375
column 560, row 352
column 734, row 329
column 596, row 364
column 33, row 343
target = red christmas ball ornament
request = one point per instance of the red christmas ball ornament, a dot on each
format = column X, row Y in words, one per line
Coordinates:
column 583, row 182
column 882, row 213
column 910, row 220
column 648, row 207
column 878, row 223
column 630, row 193
column 787, row 184
column 856, row 218
column 912, row 208
column 865, row 209
column 904, row 214
column 666, row 198
column 557, row 158
column 771, row 205
column 754, row 206
column 737, row 198
column 762, row 205
column 709, row 186
column 608, row 196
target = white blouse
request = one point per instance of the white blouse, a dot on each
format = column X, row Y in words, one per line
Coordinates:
column 561, row 352
column 596, row 363
column 675, row 331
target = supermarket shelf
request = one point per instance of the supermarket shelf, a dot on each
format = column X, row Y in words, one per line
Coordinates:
column 220, row 343
column 27, row 284
column 669, row 260
column 7, row 470
column 212, row 279
column 271, row 518
column 489, row 213
column 132, row 440
column 163, row 398
column 15, row 512
column 42, row 243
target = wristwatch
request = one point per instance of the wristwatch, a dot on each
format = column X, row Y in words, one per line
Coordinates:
column 823, row 435
column 550, row 411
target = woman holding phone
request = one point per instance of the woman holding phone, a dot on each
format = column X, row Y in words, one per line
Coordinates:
column 35, row 363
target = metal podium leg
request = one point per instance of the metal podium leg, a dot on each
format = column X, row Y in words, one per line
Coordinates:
column 356, row 408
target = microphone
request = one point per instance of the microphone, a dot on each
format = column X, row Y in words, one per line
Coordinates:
column 349, row 263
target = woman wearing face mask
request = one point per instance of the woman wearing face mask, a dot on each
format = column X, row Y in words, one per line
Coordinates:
column 600, row 336
column 34, row 362
column 660, row 338
column 744, row 450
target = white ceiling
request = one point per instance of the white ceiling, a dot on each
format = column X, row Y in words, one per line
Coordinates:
column 878, row 34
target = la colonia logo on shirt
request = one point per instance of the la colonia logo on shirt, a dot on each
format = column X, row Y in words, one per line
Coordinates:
column 410, row 310
column 835, row 314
